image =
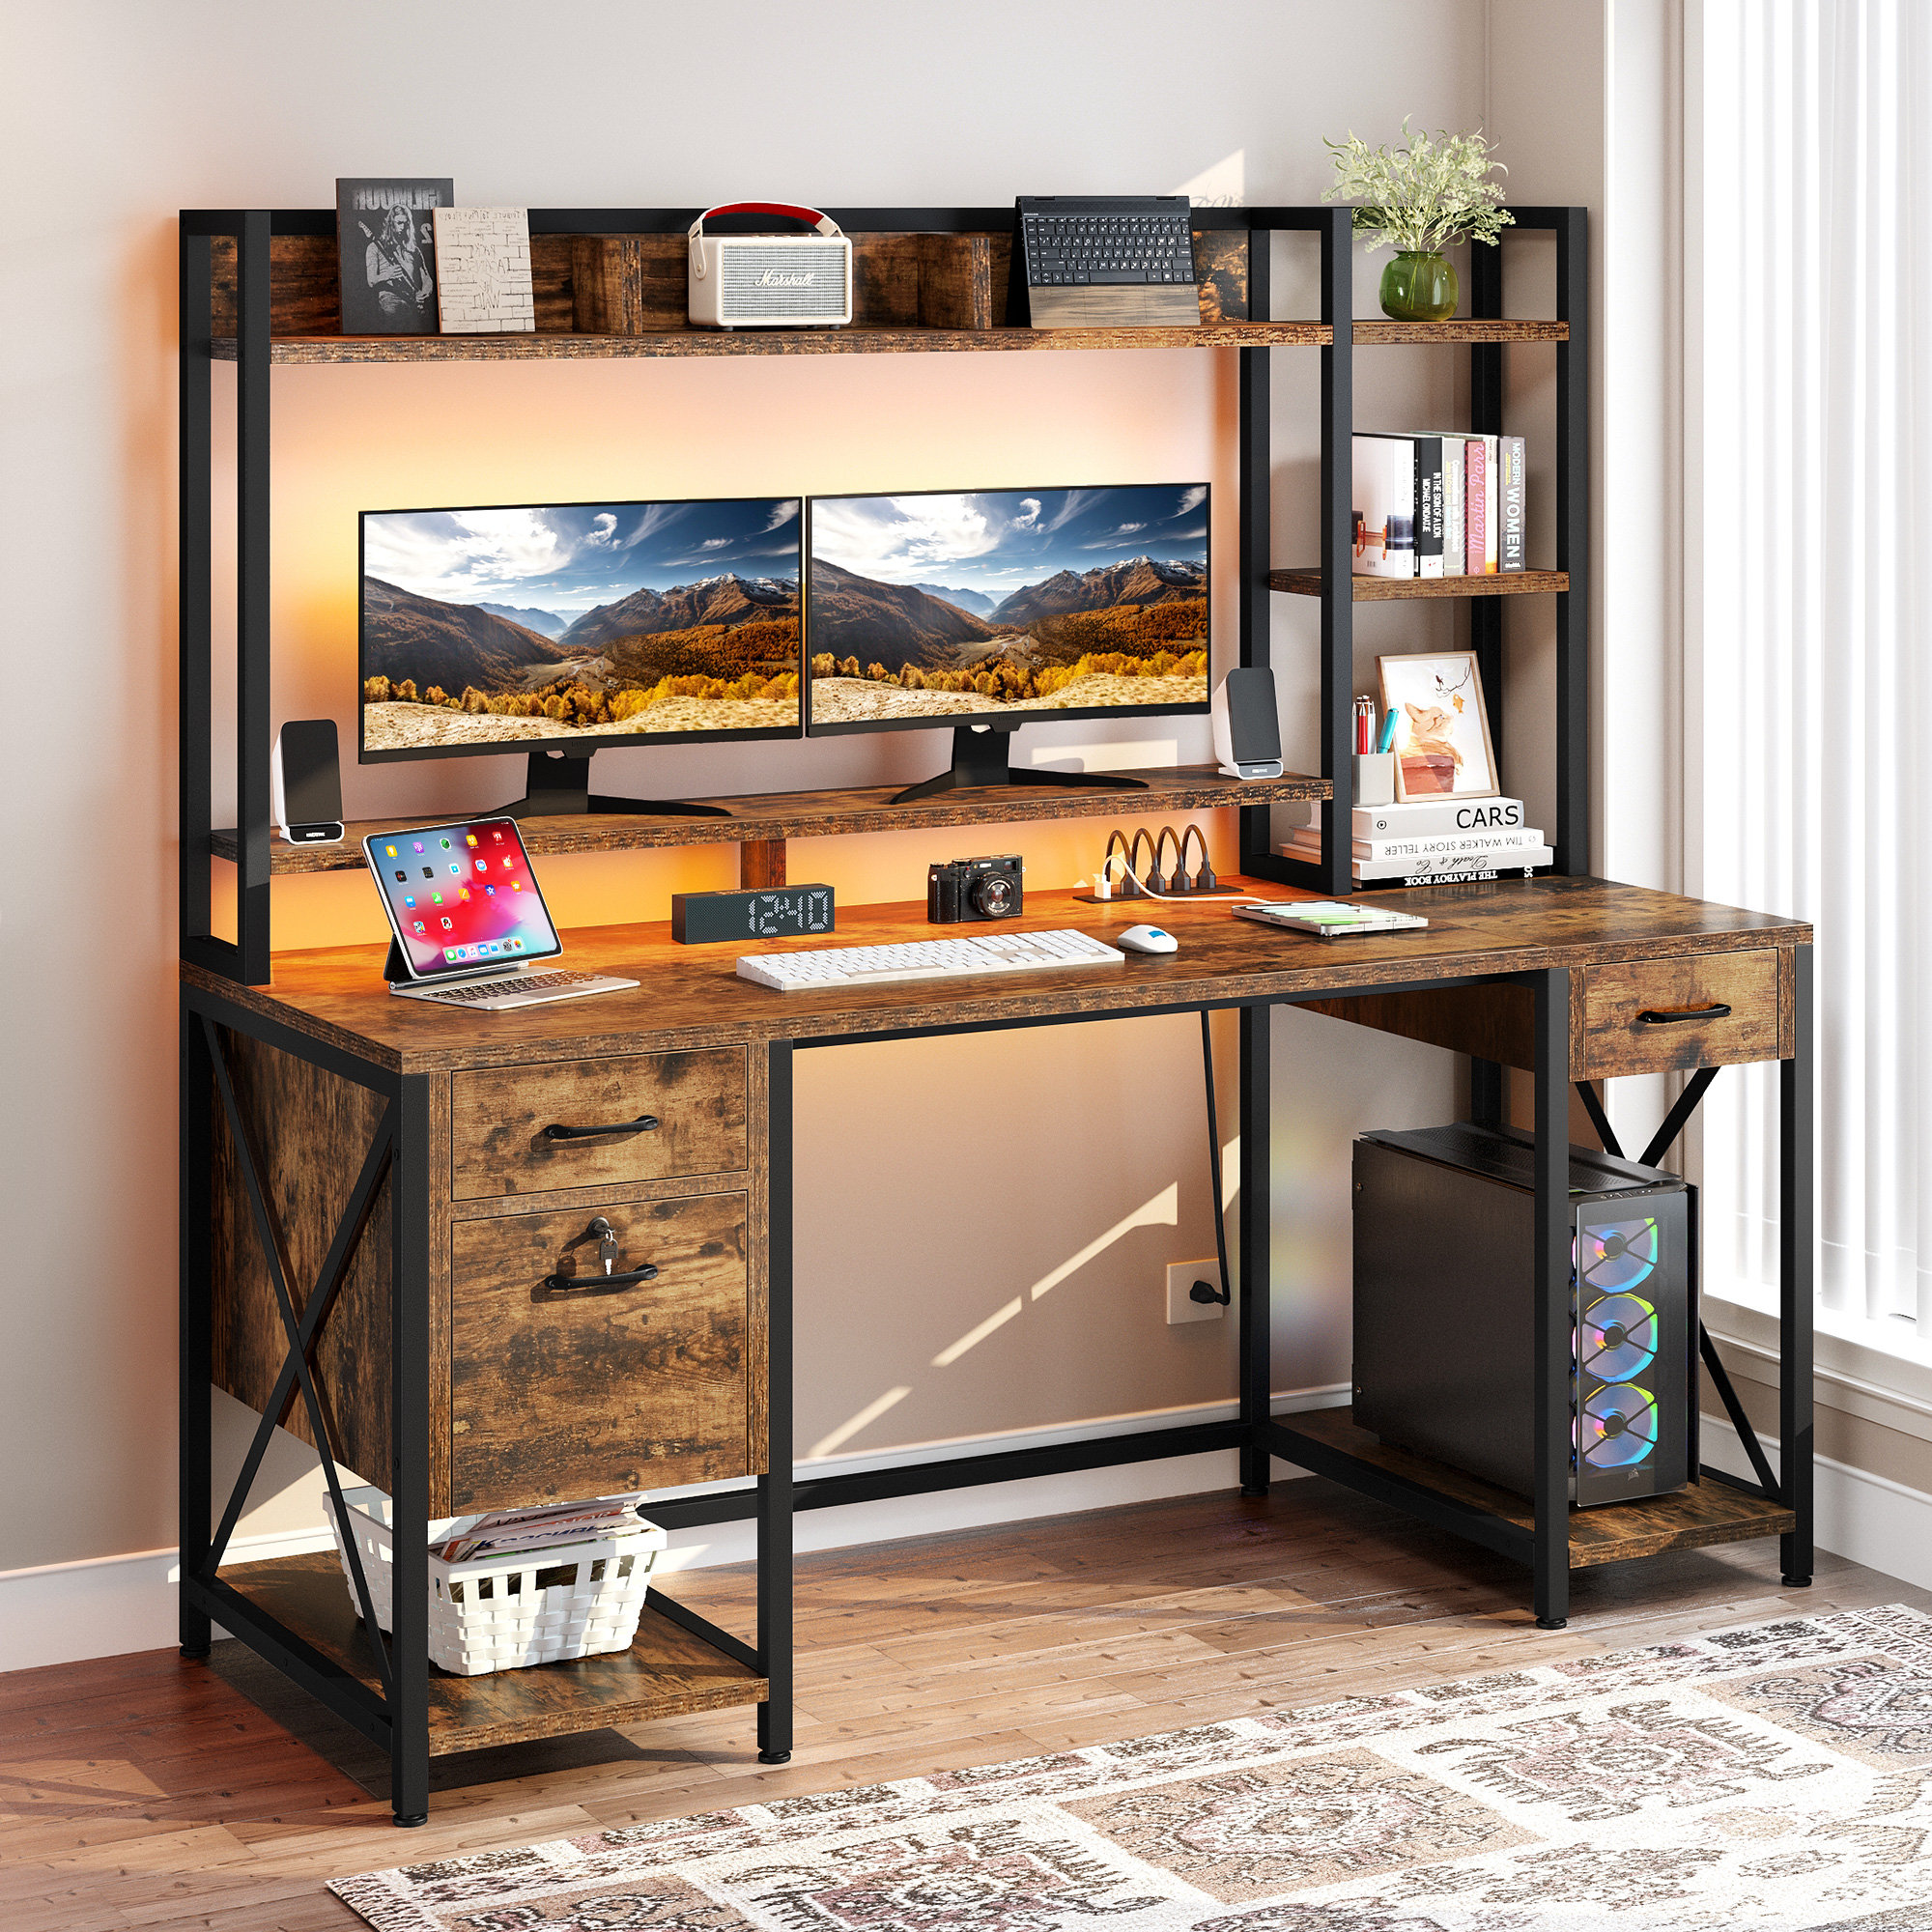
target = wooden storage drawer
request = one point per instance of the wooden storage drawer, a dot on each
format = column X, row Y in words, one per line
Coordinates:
column 1618, row 1038
column 558, row 1392
column 521, row 1129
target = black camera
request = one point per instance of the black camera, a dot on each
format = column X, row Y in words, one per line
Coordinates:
column 973, row 889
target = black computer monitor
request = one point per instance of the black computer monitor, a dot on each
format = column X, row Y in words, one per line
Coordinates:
column 560, row 629
column 987, row 608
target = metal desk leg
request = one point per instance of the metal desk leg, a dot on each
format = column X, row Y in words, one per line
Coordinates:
column 1257, row 1380
column 1487, row 1085
column 775, row 1497
column 408, row 1314
column 1553, row 1341
column 197, row 1151
column 1795, row 1101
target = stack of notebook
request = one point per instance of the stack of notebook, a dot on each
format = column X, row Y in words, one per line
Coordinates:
column 1435, row 839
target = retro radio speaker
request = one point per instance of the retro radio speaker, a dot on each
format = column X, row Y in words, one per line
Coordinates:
column 770, row 281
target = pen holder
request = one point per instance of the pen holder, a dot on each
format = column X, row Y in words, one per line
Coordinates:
column 1374, row 778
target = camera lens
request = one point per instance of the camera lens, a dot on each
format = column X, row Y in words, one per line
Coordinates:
column 994, row 895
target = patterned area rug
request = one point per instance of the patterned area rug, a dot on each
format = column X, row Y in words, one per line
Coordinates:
column 1773, row 1779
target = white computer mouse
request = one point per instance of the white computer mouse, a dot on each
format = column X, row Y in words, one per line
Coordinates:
column 1148, row 938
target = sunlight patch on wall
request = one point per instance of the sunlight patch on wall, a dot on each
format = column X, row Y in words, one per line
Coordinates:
column 867, row 1416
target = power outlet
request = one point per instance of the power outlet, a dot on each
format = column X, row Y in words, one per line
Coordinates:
column 1181, row 1303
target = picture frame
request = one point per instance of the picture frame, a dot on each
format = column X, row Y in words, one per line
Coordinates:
column 1442, row 743
column 385, row 249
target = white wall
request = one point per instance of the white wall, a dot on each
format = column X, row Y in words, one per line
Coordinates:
column 119, row 115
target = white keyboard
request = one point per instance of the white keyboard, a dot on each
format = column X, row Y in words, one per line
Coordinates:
column 923, row 960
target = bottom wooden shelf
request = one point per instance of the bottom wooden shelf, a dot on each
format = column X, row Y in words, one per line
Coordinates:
column 665, row 1672
column 1707, row 1512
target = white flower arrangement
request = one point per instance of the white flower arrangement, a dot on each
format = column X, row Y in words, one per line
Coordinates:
column 1420, row 197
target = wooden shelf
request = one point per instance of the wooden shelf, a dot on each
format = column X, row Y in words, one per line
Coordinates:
column 551, row 346
column 1384, row 589
column 548, row 347
column 665, row 1672
column 1374, row 330
column 811, row 815
column 1705, row 1512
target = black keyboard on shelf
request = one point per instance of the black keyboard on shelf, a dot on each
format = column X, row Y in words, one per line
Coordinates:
column 1103, row 262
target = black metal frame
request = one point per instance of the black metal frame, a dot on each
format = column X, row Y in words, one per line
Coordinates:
column 398, row 1721
column 247, row 959
column 1570, row 228
column 397, row 1154
column 1260, row 1436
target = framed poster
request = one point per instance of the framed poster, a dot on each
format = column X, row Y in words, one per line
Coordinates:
column 483, row 270
column 386, row 241
column 1443, row 747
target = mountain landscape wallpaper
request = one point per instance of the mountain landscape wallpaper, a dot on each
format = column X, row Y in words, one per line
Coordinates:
column 483, row 627
column 933, row 605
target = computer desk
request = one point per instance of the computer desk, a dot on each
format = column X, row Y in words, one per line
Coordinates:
column 339, row 1143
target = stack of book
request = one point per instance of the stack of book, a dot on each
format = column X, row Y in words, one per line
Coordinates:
column 1437, row 503
column 1434, row 840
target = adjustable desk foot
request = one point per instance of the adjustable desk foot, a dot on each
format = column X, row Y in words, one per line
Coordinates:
column 1796, row 1583
column 408, row 1820
column 1257, row 1489
column 1552, row 1623
column 774, row 1757
column 200, row 1653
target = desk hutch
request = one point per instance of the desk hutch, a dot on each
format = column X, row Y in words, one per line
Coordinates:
column 370, row 1205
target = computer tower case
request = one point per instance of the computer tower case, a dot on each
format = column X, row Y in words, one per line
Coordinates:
column 1444, row 1237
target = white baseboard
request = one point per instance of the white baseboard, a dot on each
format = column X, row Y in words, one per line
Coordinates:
column 1868, row 1519
column 107, row 1605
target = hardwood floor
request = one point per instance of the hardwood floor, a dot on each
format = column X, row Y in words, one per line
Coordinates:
column 146, row 1792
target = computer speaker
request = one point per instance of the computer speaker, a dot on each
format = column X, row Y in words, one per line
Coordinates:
column 305, row 783
column 1247, row 738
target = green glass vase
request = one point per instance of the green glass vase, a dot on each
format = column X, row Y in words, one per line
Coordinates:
column 1419, row 287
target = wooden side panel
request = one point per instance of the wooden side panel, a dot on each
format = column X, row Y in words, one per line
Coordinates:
column 762, row 864
column 1221, row 267
column 312, row 1130
column 1787, row 1001
column 962, row 280
column 498, row 1144
column 557, row 1394
column 1490, row 1022
column 1617, row 1040
column 884, row 280
column 551, row 285
column 625, row 284
column 304, row 289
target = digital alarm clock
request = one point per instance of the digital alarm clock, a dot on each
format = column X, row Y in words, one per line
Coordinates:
column 774, row 912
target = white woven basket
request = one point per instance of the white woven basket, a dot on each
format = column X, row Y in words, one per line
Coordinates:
column 502, row 1613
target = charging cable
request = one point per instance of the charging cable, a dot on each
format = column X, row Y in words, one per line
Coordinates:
column 1103, row 887
column 1203, row 1290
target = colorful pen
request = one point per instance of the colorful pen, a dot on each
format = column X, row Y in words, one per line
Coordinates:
column 1388, row 734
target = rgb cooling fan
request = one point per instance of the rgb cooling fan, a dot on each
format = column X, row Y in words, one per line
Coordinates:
column 1618, row 1427
column 1619, row 1337
column 1618, row 1254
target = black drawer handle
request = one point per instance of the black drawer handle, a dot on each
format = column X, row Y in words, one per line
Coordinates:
column 644, row 1124
column 1650, row 1016
column 598, row 1284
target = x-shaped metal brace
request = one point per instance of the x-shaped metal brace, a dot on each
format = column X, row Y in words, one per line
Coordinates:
column 298, row 1368
column 1661, row 1142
